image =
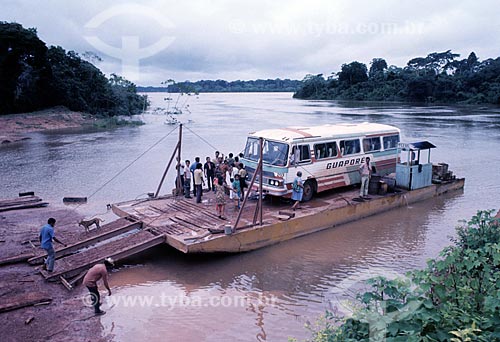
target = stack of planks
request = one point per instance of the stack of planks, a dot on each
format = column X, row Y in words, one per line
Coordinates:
column 22, row 203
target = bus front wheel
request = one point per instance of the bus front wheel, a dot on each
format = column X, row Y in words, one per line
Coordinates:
column 309, row 188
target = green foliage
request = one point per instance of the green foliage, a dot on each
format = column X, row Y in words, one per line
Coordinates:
column 313, row 86
column 221, row 86
column 34, row 77
column 352, row 74
column 24, row 72
column 438, row 77
column 456, row 298
column 111, row 122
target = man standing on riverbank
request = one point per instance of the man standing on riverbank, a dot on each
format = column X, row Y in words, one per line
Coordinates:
column 46, row 237
column 96, row 273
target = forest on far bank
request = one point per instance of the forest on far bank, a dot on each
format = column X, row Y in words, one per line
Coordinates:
column 222, row 86
column 439, row 77
column 34, row 76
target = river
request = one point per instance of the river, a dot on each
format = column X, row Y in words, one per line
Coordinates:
column 271, row 293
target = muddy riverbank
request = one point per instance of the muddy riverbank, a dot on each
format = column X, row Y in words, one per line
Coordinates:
column 14, row 127
column 65, row 317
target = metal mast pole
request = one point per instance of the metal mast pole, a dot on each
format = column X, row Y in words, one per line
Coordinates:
column 177, row 147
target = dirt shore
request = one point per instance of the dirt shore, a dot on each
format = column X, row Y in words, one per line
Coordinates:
column 13, row 127
column 65, row 318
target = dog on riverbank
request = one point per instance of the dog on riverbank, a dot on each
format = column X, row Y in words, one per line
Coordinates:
column 87, row 223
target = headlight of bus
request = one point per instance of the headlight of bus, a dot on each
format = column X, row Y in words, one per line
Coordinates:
column 275, row 182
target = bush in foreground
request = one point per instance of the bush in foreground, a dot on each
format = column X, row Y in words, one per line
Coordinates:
column 456, row 298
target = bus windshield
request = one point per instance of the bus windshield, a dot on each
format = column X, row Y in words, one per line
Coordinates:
column 274, row 153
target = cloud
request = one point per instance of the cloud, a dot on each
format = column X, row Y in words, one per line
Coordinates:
column 261, row 39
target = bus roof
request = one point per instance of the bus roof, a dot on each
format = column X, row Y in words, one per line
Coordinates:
column 341, row 130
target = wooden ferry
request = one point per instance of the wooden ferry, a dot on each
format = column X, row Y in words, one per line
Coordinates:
column 195, row 228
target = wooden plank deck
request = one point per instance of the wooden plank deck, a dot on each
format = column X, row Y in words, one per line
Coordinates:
column 195, row 228
column 177, row 216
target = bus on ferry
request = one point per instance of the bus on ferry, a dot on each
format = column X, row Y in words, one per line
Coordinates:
column 329, row 156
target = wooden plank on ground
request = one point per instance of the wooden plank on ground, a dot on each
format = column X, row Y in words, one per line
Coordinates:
column 25, row 206
column 66, row 284
column 16, row 259
column 19, row 200
column 9, row 303
column 77, row 278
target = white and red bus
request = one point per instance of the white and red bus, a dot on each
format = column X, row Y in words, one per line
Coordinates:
column 329, row 156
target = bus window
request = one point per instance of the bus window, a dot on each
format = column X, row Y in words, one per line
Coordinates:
column 371, row 144
column 331, row 149
column 350, row 146
column 305, row 154
column 325, row 150
column 391, row 142
column 320, row 151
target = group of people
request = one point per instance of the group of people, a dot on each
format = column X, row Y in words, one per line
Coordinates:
column 222, row 175
column 93, row 275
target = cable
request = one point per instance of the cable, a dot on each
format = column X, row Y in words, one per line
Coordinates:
column 205, row 141
column 130, row 164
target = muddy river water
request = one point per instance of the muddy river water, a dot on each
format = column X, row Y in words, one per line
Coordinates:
column 271, row 293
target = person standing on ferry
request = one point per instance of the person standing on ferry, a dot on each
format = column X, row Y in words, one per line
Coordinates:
column 365, row 173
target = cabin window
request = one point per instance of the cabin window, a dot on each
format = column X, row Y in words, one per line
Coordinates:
column 325, row 150
column 371, row 144
column 391, row 142
column 350, row 147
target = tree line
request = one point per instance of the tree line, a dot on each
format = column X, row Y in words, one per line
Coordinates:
column 221, row 86
column 438, row 77
column 34, row 76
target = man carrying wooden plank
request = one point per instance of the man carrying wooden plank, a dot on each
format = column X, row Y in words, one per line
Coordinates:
column 46, row 237
column 96, row 273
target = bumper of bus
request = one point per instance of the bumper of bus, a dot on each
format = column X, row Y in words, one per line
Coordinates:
column 272, row 191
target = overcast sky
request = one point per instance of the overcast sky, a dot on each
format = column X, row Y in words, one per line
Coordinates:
column 152, row 41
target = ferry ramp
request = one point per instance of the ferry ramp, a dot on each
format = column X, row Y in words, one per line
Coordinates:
column 119, row 239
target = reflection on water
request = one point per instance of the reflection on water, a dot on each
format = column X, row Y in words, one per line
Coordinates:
column 271, row 293
column 268, row 294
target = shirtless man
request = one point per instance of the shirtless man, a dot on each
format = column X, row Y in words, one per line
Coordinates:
column 96, row 273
